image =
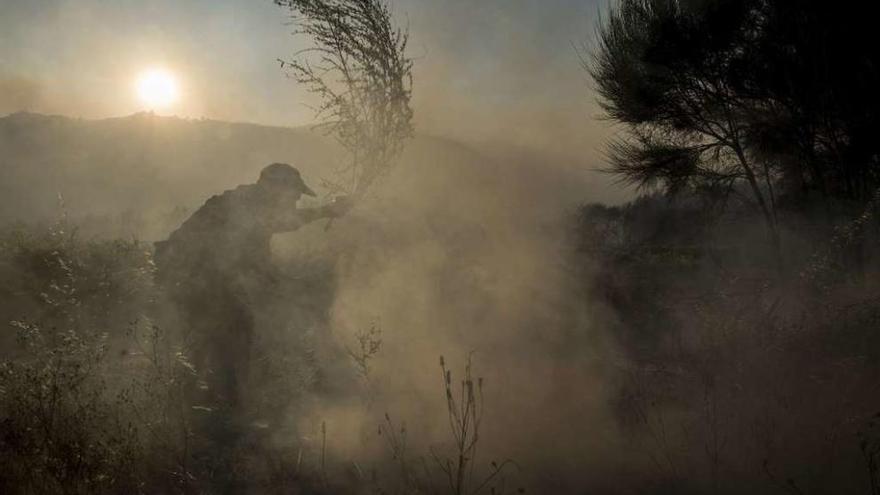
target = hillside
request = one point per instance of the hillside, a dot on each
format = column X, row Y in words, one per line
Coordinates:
column 137, row 175
column 142, row 163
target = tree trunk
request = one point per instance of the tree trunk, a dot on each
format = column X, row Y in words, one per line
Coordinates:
column 766, row 209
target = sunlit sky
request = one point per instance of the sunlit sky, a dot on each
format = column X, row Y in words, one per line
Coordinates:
column 484, row 67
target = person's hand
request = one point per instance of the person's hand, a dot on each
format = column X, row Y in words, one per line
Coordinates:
column 340, row 206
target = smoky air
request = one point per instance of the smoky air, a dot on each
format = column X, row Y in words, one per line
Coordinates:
column 359, row 246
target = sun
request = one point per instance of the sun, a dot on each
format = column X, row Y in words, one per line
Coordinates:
column 157, row 88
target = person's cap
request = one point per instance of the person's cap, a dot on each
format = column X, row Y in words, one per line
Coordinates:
column 285, row 175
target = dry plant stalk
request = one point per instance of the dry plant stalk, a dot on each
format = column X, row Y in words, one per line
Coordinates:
column 465, row 416
column 457, row 467
column 369, row 343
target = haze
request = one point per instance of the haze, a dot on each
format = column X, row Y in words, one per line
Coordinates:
column 547, row 246
column 480, row 64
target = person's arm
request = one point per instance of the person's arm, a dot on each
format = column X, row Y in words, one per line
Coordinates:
column 294, row 219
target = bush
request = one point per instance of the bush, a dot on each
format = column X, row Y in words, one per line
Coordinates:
column 80, row 411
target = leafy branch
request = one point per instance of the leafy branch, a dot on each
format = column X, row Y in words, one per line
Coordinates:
column 358, row 68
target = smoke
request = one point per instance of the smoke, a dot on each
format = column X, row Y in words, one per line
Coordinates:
column 462, row 251
column 19, row 94
column 463, row 256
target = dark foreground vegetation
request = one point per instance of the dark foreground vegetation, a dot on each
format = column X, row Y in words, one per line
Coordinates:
column 99, row 394
column 741, row 380
column 741, row 291
column 736, row 378
column 747, row 294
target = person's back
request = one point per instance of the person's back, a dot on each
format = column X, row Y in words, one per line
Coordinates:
column 228, row 237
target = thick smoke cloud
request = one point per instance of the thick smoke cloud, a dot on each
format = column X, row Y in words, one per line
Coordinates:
column 462, row 251
column 459, row 255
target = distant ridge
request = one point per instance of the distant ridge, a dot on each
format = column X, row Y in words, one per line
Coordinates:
column 138, row 162
column 139, row 174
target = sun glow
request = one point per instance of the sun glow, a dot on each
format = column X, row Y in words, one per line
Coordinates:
column 157, row 89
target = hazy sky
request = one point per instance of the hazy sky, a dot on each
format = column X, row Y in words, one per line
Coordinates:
column 487, row 68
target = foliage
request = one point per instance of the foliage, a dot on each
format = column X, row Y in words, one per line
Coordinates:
column 56, row 278
column 666, row 68
column 735, row 380
column 776, row 95
column 359, row 69
column 63, row 429
column 812, row 71
column 158, row 379
column 80, row 411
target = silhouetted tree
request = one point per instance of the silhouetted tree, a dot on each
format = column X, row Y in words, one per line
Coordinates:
column 775, row 94
column 667, row 69
column 815, row 69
